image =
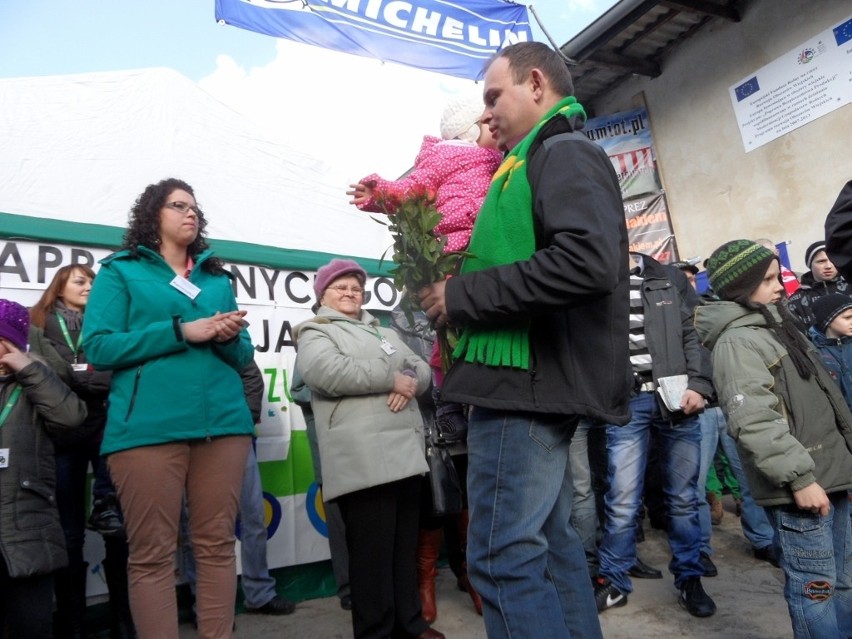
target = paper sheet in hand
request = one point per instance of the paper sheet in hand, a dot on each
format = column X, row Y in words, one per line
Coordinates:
column 671, row 389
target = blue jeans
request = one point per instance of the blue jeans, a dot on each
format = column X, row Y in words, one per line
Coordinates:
column 524, row 557
column 755, row 523
column 679, row 446
column 258, row 584
column 712, row 421
column 816, row 556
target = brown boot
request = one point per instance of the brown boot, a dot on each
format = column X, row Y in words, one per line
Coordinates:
column 428, row 549
column 464, row 582
column 716, row 509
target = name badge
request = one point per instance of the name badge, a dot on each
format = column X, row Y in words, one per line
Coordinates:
column 4, row 457
column 186, row 287
column 79, row 368
column 387, row 347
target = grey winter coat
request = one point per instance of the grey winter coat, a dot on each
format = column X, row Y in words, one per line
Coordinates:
column 362, row 443
column 31, row 538
column 790, row 432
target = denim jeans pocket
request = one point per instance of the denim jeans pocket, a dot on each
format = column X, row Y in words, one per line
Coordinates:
column 551, row 432
column 806, row 539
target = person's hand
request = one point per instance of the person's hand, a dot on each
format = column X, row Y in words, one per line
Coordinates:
column 433, row 302
column 691, row 402
column 14, row 359
column 200, row 330
column 397, row 401
column 404, row 385
column 813, row 498
column 228, row 325
column 360, row 192
column 221, row 327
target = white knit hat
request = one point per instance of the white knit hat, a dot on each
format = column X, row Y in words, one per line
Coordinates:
column 461, row 118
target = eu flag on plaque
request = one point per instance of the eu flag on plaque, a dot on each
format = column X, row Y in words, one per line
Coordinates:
column 843, row 32
column 746, row 89
column 444, row 36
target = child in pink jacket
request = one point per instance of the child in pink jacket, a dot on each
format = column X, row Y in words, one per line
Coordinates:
column 458, row 168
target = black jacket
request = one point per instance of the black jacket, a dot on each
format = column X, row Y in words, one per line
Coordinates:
column 573, row 290
column 667, row 300
column 838, row 232
column 801, row 302
column 89, row 385
column 31, row 538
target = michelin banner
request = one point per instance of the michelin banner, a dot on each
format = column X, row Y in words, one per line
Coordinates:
column 434, row 35
column 276, row 301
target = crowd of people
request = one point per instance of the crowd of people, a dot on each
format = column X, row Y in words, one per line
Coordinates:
column 595, row 385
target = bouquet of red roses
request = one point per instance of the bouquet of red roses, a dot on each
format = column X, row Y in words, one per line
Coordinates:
column 418, row 252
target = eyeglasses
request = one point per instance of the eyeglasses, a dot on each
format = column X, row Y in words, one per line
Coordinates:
column 343, row 290
column 183, row 207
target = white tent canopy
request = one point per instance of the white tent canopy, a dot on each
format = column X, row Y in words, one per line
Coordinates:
column 81, row 148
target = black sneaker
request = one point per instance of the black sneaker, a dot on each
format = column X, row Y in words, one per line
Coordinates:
column 608, row 596
column 694, row 600
column 708, row 566
column 276, row 606
column 106, row 518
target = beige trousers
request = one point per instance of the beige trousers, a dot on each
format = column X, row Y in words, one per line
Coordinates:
column 151, row 481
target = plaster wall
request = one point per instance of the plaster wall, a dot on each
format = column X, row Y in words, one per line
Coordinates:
column 716, row 191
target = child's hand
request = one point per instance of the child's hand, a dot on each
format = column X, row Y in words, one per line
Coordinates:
column 14, row 358
column 360, row 192
column 813, row 498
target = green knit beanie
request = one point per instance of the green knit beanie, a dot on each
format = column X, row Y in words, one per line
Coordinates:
column 737, row 267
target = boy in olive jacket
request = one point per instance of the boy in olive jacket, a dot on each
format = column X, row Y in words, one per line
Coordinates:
column 793, row 431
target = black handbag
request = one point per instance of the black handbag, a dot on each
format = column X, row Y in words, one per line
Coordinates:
column 443, row 479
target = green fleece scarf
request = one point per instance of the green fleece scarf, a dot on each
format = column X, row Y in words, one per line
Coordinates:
column 504, row 234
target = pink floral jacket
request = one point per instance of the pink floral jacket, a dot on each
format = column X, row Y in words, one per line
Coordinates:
column 458, row 172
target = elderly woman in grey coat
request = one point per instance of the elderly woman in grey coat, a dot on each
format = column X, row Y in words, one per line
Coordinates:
column 364, row 381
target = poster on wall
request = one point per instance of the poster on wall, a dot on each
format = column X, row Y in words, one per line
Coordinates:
column 649, row 228
column 807, row 82
column 626, row 138
column 276, row 301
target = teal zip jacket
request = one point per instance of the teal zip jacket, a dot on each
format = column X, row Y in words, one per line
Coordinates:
column 164, row 389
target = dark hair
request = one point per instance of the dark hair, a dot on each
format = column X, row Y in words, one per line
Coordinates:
column 47, row 301
column 523, row 57
column 790, row 336
column 144, row 225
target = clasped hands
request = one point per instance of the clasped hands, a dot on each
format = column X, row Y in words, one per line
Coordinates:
column 221, row 327
column 404, row 389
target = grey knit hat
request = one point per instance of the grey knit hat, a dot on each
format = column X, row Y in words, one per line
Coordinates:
column 812, row 250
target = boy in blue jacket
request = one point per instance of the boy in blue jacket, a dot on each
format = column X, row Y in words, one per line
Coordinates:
column 832, row 336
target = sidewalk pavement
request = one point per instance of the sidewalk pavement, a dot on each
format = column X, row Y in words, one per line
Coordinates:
column 748, row 594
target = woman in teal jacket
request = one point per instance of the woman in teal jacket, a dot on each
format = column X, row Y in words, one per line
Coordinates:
column 162, row 316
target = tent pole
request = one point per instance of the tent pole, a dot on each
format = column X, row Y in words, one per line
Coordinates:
column 547, row 35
